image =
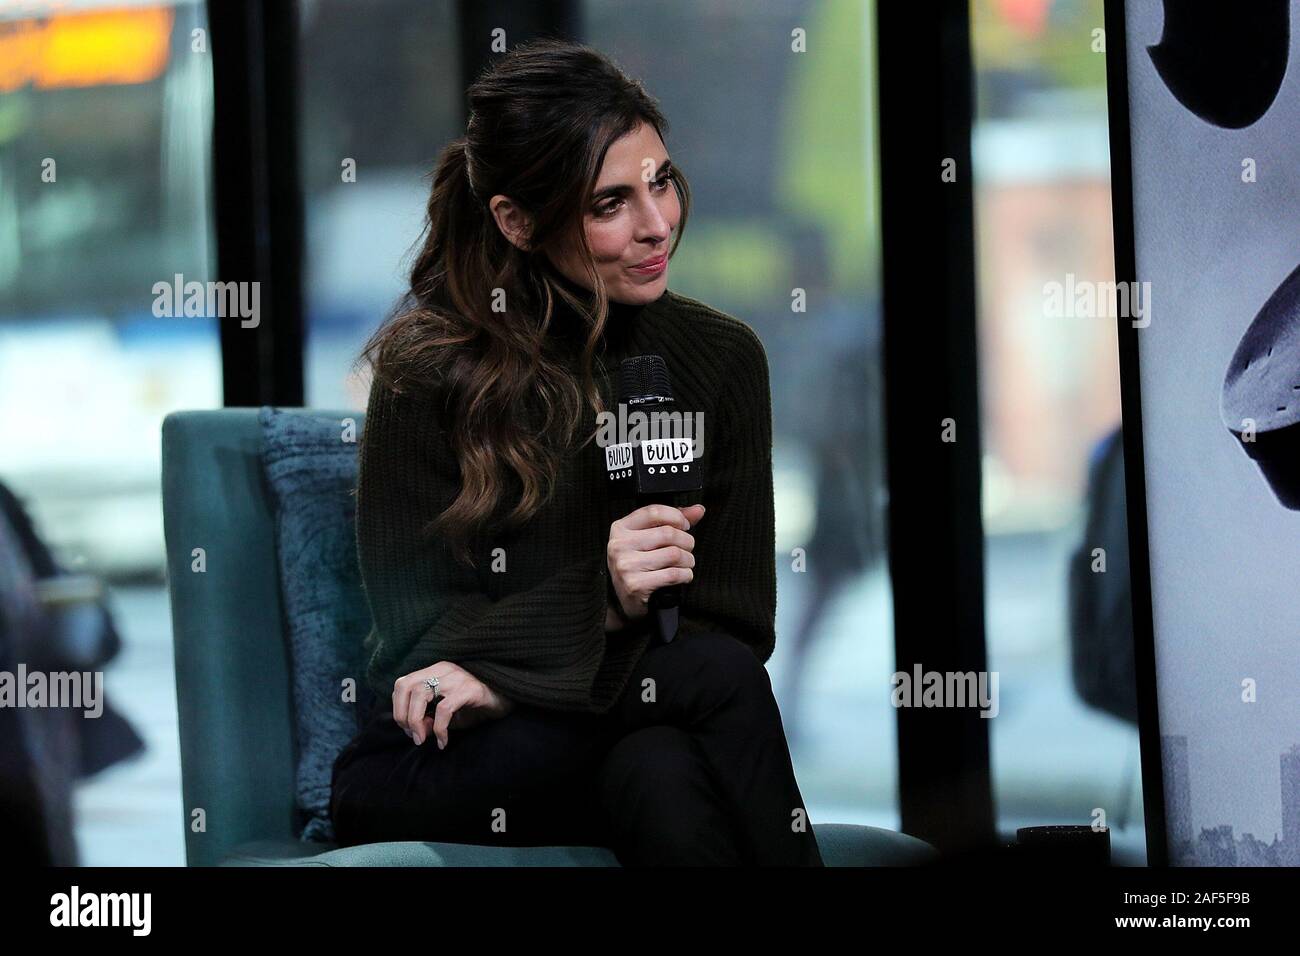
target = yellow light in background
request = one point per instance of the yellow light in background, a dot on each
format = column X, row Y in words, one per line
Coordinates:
column 86, row 49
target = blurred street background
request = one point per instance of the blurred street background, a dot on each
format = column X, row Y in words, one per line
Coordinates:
column 87, row 372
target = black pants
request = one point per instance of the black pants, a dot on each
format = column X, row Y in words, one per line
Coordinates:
column 689, row 767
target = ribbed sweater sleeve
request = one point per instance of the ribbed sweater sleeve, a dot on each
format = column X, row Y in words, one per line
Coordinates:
column 545, row 645
column 565, row 660
column 734, row 588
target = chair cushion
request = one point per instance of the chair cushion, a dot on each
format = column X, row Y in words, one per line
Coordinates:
column 850, row 844
column 842, row 844
column 414, row 853
column 311, row 468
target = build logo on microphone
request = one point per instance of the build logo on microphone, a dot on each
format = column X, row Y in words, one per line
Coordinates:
column 670, row 440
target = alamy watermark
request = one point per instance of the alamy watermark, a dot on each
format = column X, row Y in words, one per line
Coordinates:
column 216, row 300
column 946, row 689
column 1092, row 300
column 75, row 908
column 649, row 428
column 72, row 689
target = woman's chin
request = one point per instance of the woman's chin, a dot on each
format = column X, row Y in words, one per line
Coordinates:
column 644, row 289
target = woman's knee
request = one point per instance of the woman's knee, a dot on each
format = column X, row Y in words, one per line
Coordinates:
column 698, row 677
column 729, row 665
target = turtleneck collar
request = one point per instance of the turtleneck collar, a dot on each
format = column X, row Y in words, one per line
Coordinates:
column 623, row 320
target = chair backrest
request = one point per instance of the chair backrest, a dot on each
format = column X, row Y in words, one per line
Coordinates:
column 233, row 682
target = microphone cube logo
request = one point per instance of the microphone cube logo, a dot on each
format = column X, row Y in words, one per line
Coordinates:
column 667, row 452
column 661, row 456
column 620, row 459
column 670, row 443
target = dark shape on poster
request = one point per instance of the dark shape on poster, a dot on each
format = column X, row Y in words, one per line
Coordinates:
column 1263, row 387
column 1224, row 62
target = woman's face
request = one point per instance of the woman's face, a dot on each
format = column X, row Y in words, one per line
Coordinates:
column 630, row 220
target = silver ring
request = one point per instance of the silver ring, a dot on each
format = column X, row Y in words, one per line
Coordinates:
column 432, row 684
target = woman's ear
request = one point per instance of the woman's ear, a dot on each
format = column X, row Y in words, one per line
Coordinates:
column 514, row 223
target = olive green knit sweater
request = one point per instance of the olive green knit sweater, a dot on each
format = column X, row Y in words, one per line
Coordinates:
column 535, row 630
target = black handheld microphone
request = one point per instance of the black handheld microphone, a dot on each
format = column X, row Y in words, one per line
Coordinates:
column 654, row 459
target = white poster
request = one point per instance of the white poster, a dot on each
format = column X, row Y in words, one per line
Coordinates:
column 1214, row 101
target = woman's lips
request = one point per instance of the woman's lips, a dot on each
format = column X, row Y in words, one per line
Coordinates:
column 652, row 266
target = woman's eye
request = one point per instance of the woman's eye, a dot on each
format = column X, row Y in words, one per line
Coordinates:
column 661, row 184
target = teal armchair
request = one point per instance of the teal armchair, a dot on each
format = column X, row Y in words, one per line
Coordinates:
column 234, row 688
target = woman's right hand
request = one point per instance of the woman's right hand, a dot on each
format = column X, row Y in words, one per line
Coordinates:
column 648, row 549
column 463, row 701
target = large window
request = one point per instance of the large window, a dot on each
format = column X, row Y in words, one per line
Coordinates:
column 380, row 97
column 1050, row 407
column 105, row 129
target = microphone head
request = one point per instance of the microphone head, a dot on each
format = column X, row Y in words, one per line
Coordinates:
column 644, row 378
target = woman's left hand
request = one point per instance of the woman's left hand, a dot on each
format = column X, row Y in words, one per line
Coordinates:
column 463, row 701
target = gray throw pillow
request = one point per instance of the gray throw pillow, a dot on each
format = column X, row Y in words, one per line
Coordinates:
column 311, row 467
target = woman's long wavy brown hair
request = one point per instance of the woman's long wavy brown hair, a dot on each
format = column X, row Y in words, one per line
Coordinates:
column 541, row 121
